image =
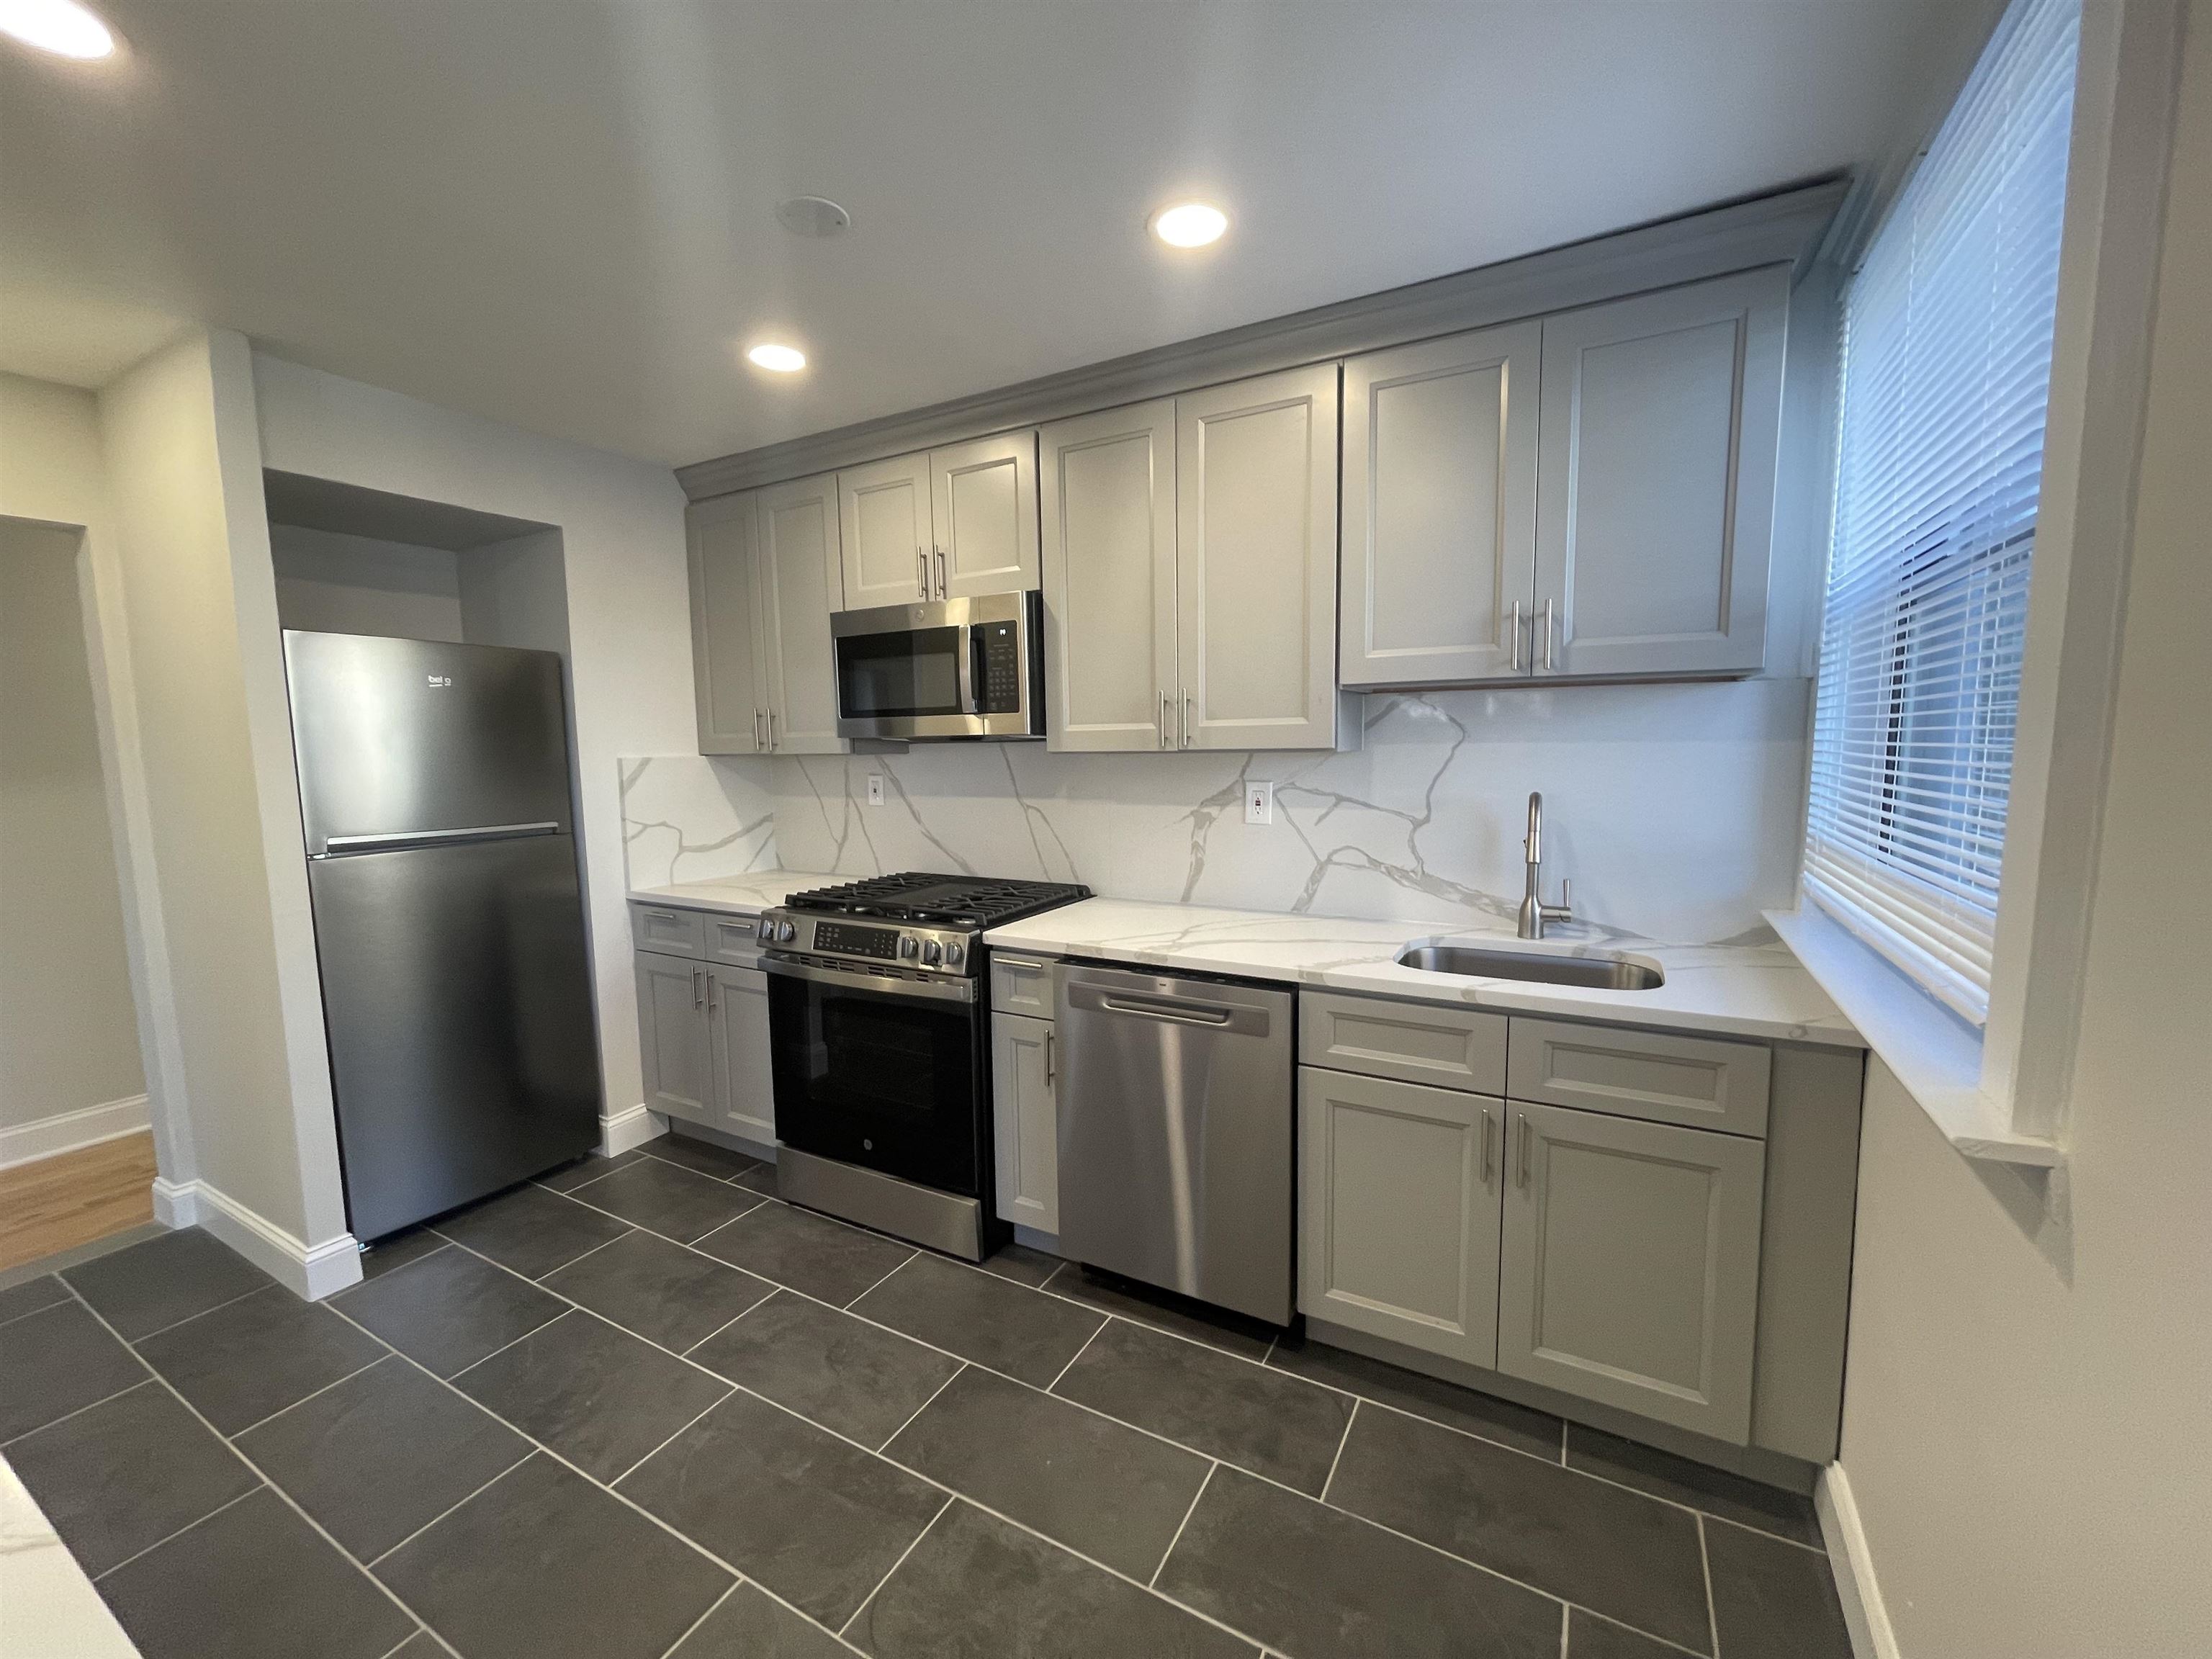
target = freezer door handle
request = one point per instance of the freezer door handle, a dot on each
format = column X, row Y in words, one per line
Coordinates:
column 396, row 841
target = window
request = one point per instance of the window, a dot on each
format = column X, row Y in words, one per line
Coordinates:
column 1946, row 368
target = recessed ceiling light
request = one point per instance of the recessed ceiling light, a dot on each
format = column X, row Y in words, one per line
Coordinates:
column 1189, row 224
column 811, row 216
column 60, row 26
column 778, row 358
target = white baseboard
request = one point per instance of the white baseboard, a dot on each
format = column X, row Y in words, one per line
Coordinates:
column 310, row 1271
column 64, row 1131
column 633, row 1127
column 1864, row 1612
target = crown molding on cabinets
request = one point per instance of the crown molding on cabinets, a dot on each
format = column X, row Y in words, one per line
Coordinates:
column 1785, row 226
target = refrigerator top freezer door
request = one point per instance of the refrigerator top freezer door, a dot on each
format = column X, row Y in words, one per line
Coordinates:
column 419, row 739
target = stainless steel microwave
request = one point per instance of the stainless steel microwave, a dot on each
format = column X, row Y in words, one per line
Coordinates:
column 957, row 668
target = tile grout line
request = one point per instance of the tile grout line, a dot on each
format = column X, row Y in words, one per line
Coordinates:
column 951, row 1498
column 1342, row 1442
column 175, row 1323
column 1761, row 1532
column 910, row 1256
column 1566, row 1624
column 1154, row 1581
column 731, row 1320
column 81, row 1410
column 394, row 1549
column 759, row 1199
column 1076, row 1355
column 922, row 1408
column 226, row 1503
column 689, row 1629
column 305, row 1398
column 504, row 1346
column 1712, row 1615
column 728, row 1388
column 35, row 1312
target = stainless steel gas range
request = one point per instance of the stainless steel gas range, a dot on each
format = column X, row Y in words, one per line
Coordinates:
column 879, row 1039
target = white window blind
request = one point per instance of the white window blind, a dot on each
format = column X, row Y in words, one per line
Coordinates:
column 1946, row 371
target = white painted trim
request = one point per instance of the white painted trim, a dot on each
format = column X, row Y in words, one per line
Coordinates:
column 67, row 1131
column 1864, row 1613
column 310, row 1271
column 633, row 1127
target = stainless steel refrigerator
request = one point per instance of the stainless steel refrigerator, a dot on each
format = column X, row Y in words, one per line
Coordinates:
column 449, row 919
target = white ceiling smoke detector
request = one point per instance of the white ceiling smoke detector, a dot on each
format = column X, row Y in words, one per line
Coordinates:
column 811, row 216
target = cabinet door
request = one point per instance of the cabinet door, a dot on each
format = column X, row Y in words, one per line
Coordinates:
column 1109, row 579
column 883, row 509
column 726, row 667
column 737, row 1008
column 1398, row 1211
column 672, row 1036
column 1439, row 523
column 800, row 586
column 1025, row 1125
column 1630, row 1271
column 1255, row 562
column 983, row 509
column 1654, row 497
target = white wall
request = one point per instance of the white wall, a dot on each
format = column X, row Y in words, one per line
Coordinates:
column 621, row 527
column 340, row 584
column 2027, row 1421
column 68, row 1039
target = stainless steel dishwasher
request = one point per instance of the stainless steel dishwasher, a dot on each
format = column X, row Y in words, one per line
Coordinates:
column 1176, row 1104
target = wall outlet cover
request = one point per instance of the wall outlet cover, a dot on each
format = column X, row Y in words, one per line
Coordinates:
column 875, row 789
column 1259, row 803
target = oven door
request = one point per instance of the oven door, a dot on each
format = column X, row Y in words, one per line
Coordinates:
column 883, row 1072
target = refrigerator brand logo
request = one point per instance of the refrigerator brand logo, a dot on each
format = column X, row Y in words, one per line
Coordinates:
column 439, row 679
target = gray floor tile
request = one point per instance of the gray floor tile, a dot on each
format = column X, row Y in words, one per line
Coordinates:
column 703, row 1156
column 155, row 1284
column 600, row 1396
column 543, row 1564
column 842, row 1372
column 590, row 1167
column 663, row 1291
column 1751, row 1503
column 254, row 1582
column 261, row 1353
column 532, row 1230
column 979, row 1316
column 122, row 1476
column 1589, row 1637
column 760, row 1179
column 1164, row 1310
column 1773, row 1600
column 1309, row 1580
column 1097, row 1486
column 814, row 1519
column 1023, row 1265
column 975, row 1588
column 1259, row 1418
column 396, row 1251
column 421, row 1645
column 57, row 1361
column 382, row 1454
column 751, row 1625
column 31, row 1295
column 679, row 1203
column 825, row 1259
column 1534, row 1431
column 449, row 1310
column 1614, row 1551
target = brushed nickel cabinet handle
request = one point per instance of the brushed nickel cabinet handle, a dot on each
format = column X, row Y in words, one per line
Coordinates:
column 1548, row 664
column 940, row 573
column 1488, row 1168
column 1167, row 739
column 1187, row 701
column 1522, row 1176
column 1513, row 642
column 1048, row 1071
column 921, row 572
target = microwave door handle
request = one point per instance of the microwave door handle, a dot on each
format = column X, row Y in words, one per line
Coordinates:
column 971, row 641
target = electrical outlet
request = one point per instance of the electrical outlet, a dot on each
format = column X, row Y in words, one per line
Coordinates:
column 1259, row 803
column 875, row 789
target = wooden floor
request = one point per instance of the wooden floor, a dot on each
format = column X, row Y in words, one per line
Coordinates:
column 60, row 1202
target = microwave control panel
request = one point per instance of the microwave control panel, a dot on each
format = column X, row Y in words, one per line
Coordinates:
column 998, row 668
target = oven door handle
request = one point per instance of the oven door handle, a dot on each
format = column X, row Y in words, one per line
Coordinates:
column 949, row 990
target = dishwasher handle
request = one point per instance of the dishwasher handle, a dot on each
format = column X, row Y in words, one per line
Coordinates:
column 1233, row 1018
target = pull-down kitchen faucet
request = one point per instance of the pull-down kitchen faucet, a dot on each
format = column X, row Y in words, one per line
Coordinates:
column 1535, row 913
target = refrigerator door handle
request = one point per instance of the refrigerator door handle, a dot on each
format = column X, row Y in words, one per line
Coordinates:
column 341, row 845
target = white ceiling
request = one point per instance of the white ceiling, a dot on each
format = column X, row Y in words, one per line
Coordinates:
column 559, row 213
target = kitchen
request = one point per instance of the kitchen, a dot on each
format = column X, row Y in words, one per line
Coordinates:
column 1237, row 994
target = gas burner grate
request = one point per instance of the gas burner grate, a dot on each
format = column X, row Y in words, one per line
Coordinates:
column 924, row 897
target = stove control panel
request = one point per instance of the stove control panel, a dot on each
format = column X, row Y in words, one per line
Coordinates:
column 933, row 951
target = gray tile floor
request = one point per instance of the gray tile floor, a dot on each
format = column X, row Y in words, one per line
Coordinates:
column 641, row 1410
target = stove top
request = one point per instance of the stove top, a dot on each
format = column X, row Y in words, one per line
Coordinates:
column 939, row 899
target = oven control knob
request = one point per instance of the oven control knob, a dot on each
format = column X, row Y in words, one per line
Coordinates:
column 955, row 954
column 766, row 930
column 909, row 947
column 932, row 954
column 785, row 932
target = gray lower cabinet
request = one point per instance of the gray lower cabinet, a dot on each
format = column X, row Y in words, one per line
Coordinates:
column 1026, row 1124
column 1629, row 1264
column 1400, row 1191
column 744, row 1101
column 671, row 1034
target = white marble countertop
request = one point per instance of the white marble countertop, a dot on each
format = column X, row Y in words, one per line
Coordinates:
column 747, row 895
column 1754, row 989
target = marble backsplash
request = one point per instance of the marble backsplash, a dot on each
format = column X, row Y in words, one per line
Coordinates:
column 1676, row 810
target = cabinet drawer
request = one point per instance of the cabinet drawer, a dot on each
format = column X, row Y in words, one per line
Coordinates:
column 1021, row 985
column 668, row 930
column 1414, row 1042
column 731, row 940
column 1701, row 1082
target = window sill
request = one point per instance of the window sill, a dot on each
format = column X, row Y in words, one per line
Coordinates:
column 1938, row 1058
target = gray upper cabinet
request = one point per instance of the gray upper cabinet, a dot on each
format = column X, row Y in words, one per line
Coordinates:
column 883, row 512
column 727, row 671
column 1629, row 1265
column 1654, row 494
column 1439, row 524
column 983, row 511
column 1255, row 562
column 801, row 582
column 1108, row 489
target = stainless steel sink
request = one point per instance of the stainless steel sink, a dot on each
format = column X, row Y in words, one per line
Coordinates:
column 1598, row 969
